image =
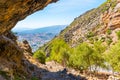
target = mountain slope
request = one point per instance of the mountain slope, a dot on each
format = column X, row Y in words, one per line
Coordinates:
column 89, row 41
column 91, row 22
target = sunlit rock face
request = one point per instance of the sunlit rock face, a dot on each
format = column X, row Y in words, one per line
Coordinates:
column 96, row 21
column 11, row 54
column 12, row 11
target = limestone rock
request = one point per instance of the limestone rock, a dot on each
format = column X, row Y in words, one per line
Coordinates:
column 11, row 55
column 25, row 46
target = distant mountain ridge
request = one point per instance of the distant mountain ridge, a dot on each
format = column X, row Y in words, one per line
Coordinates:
column 49, row 29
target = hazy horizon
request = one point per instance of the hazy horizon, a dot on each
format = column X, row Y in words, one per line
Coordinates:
column 28, row 28
column 61, row 13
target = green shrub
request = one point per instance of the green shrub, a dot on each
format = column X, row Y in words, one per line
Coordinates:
column 102, row 39
column 17, row 77
column 118, row 34
column 109, row 41
column 109, row 3
column 108, row 31
column 80, row 59
column 98, row 56
column 104, row 7
column 40, row 55
column 34, row 78
column 113, row 57
column 85, row 56
column 90, row 34
column 113, row 4
column 59, row 50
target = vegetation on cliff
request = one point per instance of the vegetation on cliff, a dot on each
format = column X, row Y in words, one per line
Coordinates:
column 90, row 42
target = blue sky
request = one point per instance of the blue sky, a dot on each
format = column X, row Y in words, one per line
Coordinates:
column 61, row 13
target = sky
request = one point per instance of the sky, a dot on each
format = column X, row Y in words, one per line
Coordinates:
column 61, row 13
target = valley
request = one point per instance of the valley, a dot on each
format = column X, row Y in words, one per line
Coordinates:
column 38, row 37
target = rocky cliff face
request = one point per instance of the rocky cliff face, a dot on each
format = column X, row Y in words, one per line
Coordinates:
column 81, row 25
column 104, row 17
column 94, row 22
column 12, row 59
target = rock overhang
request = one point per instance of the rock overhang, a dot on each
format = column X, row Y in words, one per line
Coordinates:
column 14, row 11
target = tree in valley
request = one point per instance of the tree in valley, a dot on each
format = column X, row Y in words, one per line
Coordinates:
column 113, row 57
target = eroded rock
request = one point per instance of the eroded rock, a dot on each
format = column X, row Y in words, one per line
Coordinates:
column 11, row 55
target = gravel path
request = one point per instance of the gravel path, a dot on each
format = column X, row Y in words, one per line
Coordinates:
column 51, row 70
column 54, row 71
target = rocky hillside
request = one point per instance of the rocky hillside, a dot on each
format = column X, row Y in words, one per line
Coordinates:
column 95, row 22
column 92, row 39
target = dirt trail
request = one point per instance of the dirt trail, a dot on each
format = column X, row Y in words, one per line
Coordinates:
column 52, row 71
